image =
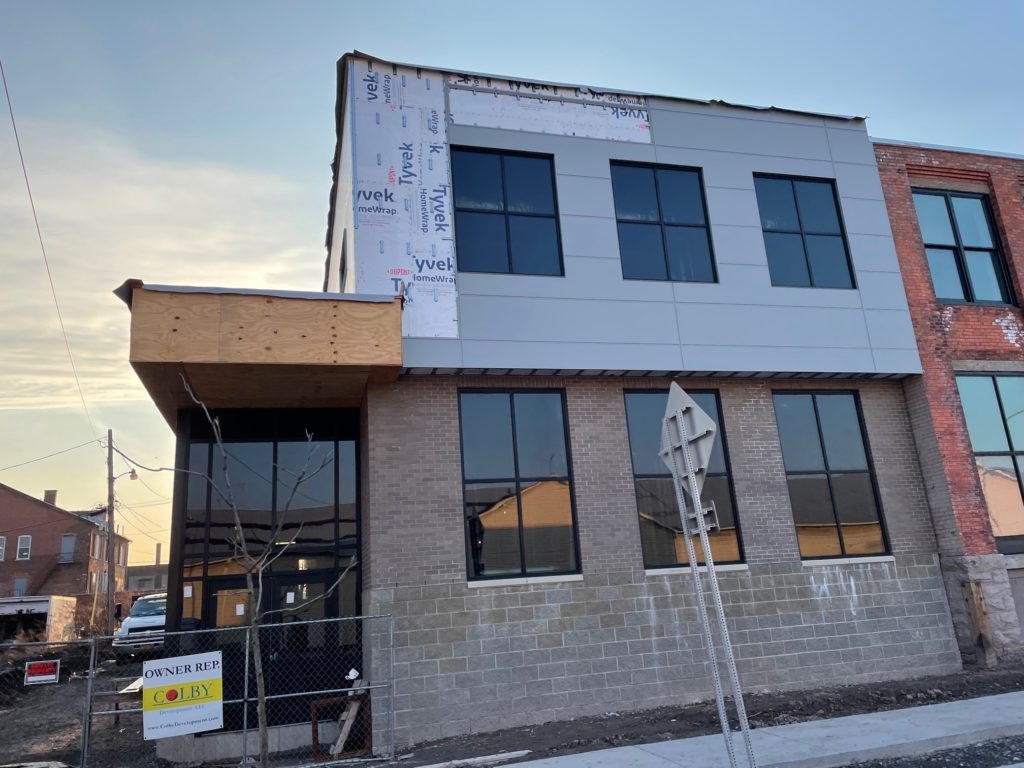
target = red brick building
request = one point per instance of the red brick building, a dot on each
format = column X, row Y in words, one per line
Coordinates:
column 45, row 550
column 958, row 227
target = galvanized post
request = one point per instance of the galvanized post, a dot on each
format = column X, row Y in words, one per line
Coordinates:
column 676, row 446
column 709, row 640
column 245, row 701
column 87, row 709
column 391, row 697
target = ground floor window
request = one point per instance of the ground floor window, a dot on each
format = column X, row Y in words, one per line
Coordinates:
column 831, row 483
column 293, row 480
column 517, row 484
column 994, row 410
column 661, row 534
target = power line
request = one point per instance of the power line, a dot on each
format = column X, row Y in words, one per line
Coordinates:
column 138, row 517
column 150, row 489
column 140, row 521
column 139, row 477
column 49, row 455
column 42, row 248
column 126, row 508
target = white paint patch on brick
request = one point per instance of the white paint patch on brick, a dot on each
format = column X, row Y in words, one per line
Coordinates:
column 946, row 319
column 1011, row 328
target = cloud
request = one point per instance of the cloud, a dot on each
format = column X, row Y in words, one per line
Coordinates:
column 109, row 212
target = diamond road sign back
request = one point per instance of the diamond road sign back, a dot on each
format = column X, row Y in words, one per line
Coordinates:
column 701, row 430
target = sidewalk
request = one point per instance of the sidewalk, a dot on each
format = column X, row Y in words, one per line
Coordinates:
column 826, row 743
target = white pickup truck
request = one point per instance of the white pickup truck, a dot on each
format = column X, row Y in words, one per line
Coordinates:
column 143, row 631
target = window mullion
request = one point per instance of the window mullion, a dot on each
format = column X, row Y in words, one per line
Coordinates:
column 661, row 223
column 1002, row 414
column 519, row 495
column 959, row 256
column 828, row 474
column 803, row 243
column 209, row 504
column 508, row 226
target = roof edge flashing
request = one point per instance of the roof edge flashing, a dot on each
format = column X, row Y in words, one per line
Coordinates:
column 127, row 288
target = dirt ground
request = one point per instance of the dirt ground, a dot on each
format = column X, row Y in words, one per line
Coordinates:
column 44, row 723
column 764, row 709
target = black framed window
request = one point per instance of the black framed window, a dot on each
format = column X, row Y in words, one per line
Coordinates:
column 962, row 248
column 506, row 213
column 661, row 534
column 831, row 483
column 309, row 528
column 517, row 484
column 662, row 221
column 803, row 232
column 994, row 410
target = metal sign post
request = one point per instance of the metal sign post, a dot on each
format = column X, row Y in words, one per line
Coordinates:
column 688, row 435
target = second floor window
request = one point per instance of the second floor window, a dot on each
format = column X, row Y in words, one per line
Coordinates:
column 3, row 548
column 67, row 548
column 506, row 214
column 517, row 486
column 662, row 223
column 831, row 483
column 803, row 233
column 24, row 551
column 959, row 241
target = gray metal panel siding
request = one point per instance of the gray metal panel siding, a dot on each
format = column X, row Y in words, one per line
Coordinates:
column 594, row 319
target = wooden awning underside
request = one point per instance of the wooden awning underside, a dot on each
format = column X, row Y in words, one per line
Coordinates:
column 260, row 349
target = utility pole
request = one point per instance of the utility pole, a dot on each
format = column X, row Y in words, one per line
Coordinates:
column 111, row 570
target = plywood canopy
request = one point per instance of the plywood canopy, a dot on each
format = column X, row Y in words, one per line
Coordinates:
column 260, row 349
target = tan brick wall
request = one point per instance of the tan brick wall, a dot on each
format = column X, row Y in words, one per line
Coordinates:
column 472, row 658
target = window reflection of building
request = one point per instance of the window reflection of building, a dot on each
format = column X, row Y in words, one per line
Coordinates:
column 307, row 527
column 517, row 489
column 547, row 530
column 1002, row 495
column 830, row 478
column 994, row 410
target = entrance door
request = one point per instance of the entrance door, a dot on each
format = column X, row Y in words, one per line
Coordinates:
column 304, row 647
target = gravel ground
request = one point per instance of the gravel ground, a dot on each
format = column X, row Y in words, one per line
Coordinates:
column 987, row 754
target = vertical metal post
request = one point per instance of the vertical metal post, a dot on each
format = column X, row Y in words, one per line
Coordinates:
column 391, row 677
column 111, row 569
column 723, row 628
column 683, row 446
column 709, row 640
column 87, row 709
column 245, row 700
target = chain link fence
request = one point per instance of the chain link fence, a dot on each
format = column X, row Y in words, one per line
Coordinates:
column 328, row 697
column 42, row 701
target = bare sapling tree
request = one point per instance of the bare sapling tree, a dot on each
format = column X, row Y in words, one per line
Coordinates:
column 256, row 559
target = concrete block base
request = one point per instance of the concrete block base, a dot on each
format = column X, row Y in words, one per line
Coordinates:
column 983, row 610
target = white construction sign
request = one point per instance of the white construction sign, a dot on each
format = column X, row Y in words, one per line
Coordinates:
column 182, row 695
column 402, row 195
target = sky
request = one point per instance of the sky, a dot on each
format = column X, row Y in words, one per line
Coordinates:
column 191, row 142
